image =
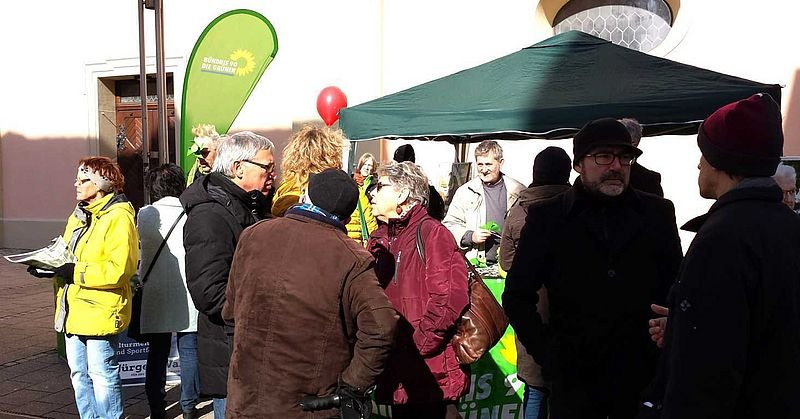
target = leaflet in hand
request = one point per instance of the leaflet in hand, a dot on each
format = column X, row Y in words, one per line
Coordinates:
column 50, row 257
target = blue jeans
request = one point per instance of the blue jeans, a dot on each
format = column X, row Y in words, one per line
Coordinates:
column 94, row 372
column 156, row 375
column 534, row 403
column 219, row 408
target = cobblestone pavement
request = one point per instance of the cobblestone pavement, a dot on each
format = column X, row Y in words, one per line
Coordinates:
column 34, row 380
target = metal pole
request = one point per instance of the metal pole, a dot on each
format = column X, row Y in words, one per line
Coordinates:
column 351, row 164
column 143, row 97
column 161, row 86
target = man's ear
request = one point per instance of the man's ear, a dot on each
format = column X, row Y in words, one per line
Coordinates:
column 238, row 171
column 578, row 168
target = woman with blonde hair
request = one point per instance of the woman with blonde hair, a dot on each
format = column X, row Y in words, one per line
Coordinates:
column 310, row 150
column 362, row 222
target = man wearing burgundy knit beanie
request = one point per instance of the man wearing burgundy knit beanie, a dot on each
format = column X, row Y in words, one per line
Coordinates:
column 733, row 347
column 604, row 252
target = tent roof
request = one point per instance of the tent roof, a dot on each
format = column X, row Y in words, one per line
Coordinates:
column 550, row 90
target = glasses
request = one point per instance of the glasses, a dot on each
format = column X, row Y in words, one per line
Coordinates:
column 605, row 159
column 82, row 181
column 202, row 153
column 267, row 167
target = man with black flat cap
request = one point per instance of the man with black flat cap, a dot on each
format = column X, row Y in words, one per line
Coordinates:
column 605, row 252
column 310, row 316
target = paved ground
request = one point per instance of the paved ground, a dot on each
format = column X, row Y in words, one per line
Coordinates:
column 34, row 380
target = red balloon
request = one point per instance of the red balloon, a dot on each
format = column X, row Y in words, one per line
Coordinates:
column 330, row 100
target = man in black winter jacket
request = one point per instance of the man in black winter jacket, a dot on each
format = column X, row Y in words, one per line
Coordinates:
column 604, row 252
column 219, row 206
column 733, row 341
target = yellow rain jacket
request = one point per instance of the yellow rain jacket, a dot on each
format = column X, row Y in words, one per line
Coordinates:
column 355, row 228
column 288, row 194
column 107, row 251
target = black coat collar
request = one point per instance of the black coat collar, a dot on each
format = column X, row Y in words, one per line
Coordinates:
column 760, row 193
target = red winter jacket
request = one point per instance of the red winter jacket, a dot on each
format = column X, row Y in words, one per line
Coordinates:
column 430, row 298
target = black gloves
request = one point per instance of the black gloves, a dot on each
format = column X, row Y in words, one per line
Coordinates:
column 40, row 273
column 353, row 402
column 66, row 271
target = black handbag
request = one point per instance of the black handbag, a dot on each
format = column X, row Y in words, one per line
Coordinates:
column 134, row 328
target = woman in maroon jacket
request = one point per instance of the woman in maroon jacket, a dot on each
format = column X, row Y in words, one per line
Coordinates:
column 424, row 378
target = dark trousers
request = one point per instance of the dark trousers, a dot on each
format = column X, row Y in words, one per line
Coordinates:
column 443, row 410
column 580, row 401
column 156, row 372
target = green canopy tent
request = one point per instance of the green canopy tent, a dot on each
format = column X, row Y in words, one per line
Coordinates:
column 548, row 91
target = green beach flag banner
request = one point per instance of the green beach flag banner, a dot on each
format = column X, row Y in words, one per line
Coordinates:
column 226, row 63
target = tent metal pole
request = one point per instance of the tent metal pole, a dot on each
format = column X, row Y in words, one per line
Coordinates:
column 351, row 162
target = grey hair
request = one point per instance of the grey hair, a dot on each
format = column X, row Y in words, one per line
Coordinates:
column 489, row 147
column 785, row 173
column 237, row 147
column 634, row 129
column 408, row 176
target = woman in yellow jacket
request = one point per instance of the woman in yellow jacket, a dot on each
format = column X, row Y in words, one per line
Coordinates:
column 362, row 222
column 310, row 150
column 93, row 303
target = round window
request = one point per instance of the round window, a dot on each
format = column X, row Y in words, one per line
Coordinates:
column 636, row 24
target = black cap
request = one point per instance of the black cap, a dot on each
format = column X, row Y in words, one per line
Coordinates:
column 601, row 132
column 405, row 153
column 551, row 167
column 334, row 191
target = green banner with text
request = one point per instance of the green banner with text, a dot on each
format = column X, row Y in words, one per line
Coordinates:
column 226, row 63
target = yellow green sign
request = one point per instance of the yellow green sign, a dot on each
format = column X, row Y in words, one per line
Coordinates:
column 226, row 63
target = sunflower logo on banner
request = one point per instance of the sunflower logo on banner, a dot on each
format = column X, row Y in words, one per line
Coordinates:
column 249, row 61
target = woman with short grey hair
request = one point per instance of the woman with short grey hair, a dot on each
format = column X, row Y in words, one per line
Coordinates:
column 419, row 265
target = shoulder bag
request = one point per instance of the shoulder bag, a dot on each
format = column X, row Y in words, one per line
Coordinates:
column 484, row 322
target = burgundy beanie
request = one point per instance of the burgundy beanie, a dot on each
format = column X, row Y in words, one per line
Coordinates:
column 744, row 138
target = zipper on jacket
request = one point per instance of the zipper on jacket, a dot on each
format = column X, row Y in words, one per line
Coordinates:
column 397, row 266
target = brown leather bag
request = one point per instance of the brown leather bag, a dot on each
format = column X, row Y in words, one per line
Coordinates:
column 484, row 322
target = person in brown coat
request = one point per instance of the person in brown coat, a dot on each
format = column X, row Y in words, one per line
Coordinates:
column 551, row 169
column 309, row 316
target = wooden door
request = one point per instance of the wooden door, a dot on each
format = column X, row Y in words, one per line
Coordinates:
column 129, row 151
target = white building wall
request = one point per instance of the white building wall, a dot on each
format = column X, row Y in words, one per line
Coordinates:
column 368, row 48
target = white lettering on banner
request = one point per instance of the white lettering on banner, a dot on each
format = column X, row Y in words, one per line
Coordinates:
column 219, row 66
column 505, row 411
column 480, row 388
